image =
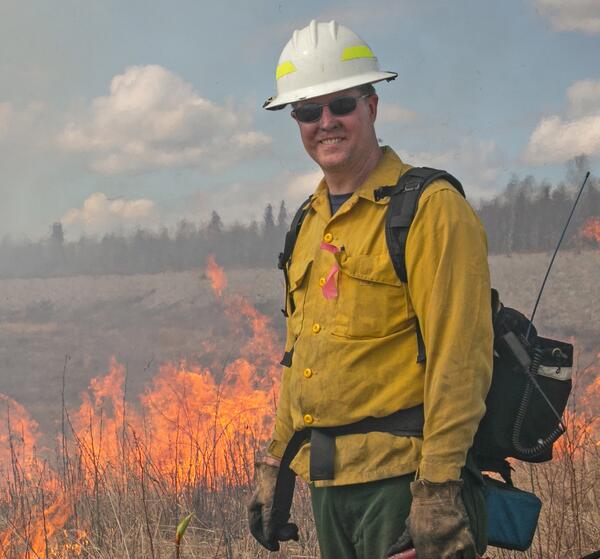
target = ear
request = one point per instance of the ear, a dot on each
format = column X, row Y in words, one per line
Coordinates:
column 294, row 118
column 372, row 102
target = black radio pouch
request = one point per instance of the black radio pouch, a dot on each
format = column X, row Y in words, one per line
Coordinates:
column 531, row 383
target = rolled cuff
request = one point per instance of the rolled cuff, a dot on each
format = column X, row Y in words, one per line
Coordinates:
column 276, row 449
column 438, row 472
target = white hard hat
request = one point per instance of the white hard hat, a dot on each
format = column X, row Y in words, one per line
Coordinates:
column 323, row 58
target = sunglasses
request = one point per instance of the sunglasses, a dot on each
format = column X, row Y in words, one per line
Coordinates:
column 311, row 112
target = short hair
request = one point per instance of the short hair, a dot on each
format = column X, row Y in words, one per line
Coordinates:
column 367, row 89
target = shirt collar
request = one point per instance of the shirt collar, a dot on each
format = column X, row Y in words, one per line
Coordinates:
column 386, row 173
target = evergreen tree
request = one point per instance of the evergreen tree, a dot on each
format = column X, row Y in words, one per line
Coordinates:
column 282, row 218
column 268, row 221
column 215, row 225
column 57, row 235
column 542, row 215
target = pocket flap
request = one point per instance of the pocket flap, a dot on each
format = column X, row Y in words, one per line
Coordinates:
column 297, row 272
column 371, row 268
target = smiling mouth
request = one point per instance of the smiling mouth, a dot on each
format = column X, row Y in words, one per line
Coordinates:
column 330, row 141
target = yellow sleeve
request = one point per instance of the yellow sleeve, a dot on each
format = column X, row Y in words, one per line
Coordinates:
column 449, row 284
column 283, row 430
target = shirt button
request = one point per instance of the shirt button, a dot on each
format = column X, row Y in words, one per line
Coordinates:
column 322, row 281
column 328, row 238
column 309, row 419
column 316, row 328
column 308, row 373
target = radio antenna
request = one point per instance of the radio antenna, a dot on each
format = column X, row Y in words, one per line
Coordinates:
column 537, row 301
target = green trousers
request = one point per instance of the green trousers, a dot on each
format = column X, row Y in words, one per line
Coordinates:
column 362, row 521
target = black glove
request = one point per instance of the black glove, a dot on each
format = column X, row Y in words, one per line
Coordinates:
column 438, row 524
column 267, row 525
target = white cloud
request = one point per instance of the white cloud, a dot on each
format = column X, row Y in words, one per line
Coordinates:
column 392, row 113
column 477, row 164
column 100, row 214
column 557, row 138
column 153, row 119
column 584, row 98
column 571, row 15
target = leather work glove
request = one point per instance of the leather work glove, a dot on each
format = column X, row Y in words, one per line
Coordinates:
column 266, row 525
column 438, row 525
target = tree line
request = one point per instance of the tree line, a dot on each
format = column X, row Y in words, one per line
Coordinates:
column 526, row 217
column 529, row 216
column 145, row 252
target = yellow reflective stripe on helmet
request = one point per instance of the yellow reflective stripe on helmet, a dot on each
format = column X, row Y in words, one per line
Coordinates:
column 284, row 69
column 359, row 51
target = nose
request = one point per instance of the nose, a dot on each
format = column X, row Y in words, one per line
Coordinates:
column 328, row 120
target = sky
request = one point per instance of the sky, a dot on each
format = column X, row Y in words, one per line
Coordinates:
column 123, row 114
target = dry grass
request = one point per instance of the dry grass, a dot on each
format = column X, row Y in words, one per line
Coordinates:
column 85, row 504
column 124, row 502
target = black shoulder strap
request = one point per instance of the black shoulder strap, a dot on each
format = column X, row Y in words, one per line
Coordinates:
column 404, row 198
column 290, row 242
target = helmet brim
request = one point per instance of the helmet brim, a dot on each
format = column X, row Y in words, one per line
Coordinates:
column 280, row 101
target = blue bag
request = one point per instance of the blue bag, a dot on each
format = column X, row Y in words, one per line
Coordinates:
column 512, row 515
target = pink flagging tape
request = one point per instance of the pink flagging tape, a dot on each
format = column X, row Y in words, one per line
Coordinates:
column 329, row 288
column 330, row 248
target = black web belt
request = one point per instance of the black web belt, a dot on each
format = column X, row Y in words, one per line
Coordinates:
column 404, row 423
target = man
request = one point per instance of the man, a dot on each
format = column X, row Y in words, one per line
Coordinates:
column 353, row 349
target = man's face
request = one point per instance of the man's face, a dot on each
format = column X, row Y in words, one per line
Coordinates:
column 333, row 141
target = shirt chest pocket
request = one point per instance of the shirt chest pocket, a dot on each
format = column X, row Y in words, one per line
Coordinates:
column 298, row 274
column 372, row 301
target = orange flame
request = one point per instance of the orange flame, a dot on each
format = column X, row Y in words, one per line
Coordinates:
column 217, row 276
column 581, row 418
column 33, row 524
column 192, row 427
column 590, row 230
column 18, row 437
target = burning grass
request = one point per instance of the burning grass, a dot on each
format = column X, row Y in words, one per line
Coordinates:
column 590, row 231
column 121, row 476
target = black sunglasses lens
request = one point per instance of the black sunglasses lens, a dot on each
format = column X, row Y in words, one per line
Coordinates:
column 342, row 105
column 309, row 112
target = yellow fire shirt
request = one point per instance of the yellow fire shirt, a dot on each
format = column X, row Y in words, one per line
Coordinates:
column 353, row 332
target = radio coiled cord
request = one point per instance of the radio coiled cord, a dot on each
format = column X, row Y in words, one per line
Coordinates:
column 524, row 406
